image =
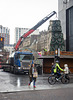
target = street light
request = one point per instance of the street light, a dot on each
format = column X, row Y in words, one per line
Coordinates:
column 1, row 42
column 57, row 54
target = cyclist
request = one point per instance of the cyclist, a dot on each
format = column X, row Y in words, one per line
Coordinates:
column 57, row 69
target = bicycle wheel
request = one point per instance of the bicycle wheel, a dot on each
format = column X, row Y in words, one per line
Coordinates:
column 52, row 80
column 65, row 80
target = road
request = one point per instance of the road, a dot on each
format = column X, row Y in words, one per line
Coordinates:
column 12, row 83
column 15, row 87
column 50, row 94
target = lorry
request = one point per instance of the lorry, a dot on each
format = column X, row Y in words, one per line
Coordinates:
column 16, row 63
column 19, row 62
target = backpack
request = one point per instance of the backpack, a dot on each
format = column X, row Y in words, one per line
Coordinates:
column 56, row 69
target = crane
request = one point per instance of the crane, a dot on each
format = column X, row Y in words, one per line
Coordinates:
column 33, row 29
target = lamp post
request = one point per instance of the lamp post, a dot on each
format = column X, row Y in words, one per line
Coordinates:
column 57, row 55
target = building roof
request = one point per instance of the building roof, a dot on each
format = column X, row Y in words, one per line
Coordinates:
column 62, row 56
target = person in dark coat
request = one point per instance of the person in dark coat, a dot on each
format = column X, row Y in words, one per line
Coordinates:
column 31, row 77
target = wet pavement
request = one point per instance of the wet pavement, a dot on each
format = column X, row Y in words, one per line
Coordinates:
column 12, row 83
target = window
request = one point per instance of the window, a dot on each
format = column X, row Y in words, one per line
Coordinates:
column 69, row 29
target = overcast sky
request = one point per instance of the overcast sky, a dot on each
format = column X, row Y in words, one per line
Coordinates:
column 25, row 13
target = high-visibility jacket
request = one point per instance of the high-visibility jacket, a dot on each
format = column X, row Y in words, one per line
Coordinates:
column 57, row 67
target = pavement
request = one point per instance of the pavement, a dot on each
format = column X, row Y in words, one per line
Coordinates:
column 15, row 87
column 41, row 84
column 38, row 87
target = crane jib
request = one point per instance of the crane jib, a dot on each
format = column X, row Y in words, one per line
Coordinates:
column 24, row 36
column 28, row 33
column 18, row 43
column 34, row 28
column 43, row 20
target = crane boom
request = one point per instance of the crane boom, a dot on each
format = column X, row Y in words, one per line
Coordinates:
column 34, row 28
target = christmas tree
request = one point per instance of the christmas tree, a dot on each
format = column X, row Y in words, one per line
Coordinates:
column 57, row 40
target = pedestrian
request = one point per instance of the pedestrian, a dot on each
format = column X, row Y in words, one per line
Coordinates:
column 66, row 70
column 33, row 74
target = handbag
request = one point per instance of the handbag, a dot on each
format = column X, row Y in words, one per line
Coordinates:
column 35, row 74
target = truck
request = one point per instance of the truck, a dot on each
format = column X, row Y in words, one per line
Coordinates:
column 16, row 63
column 19, row 62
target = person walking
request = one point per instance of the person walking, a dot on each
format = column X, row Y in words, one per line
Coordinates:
column 32, row 75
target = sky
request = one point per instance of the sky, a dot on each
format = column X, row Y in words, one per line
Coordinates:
column 25, row 14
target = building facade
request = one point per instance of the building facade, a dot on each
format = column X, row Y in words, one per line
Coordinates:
column 9, row 48
column 5, row 32
column 37, row 42
column 44, row 40
column 65, row 15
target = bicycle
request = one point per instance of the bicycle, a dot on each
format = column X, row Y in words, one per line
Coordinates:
column 65, row 79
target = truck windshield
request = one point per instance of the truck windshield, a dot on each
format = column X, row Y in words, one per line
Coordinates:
column 25, row 57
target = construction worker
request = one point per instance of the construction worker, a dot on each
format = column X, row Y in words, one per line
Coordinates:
column 57, row 69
